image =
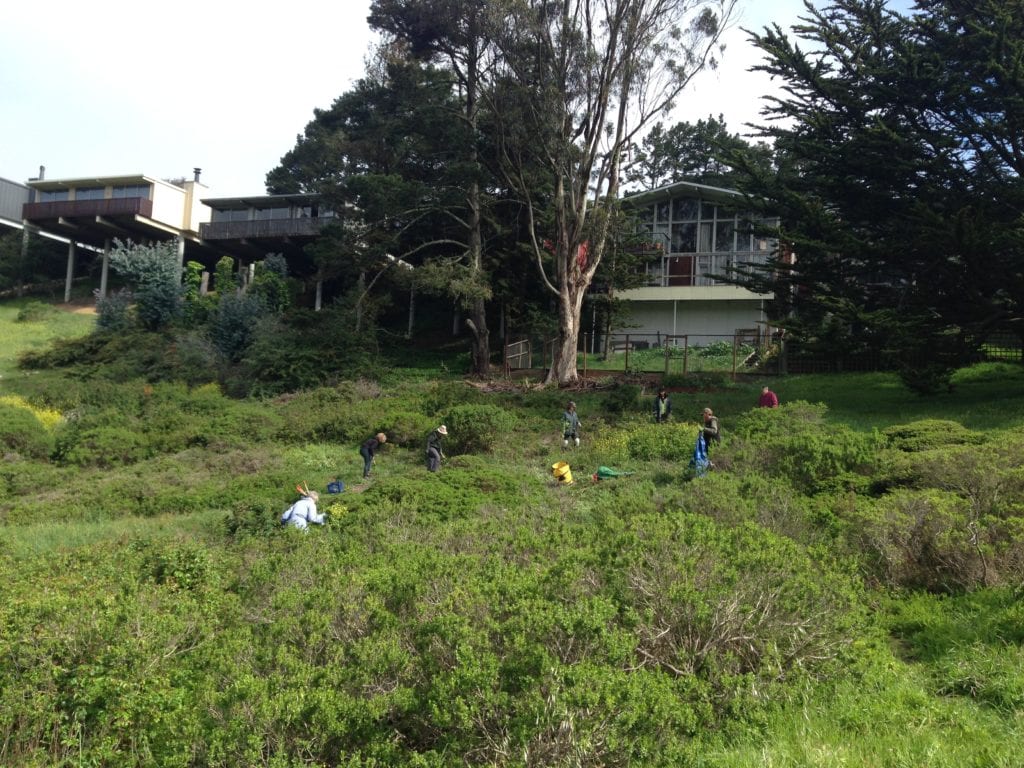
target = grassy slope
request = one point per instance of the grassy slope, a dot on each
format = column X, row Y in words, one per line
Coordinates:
column 17, row 337
column 896, row 719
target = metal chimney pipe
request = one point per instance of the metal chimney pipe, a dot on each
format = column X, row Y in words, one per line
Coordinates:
column 197, row 171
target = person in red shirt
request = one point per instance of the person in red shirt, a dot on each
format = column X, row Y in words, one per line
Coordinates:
column 768, row 399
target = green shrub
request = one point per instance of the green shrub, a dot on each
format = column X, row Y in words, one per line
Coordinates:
column 113, row 311
column 155, row 271
column 235, row 323
column 930, row 433
column 35, row 311
column 23, row 433
column 335, row 414
column 407, row 428
column 624, row 398
column 648, row 442
column 105, row 447
column 697, row 380
column 794, row 442
column 477, row 428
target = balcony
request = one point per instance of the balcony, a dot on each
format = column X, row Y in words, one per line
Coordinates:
column 262, row 230
column 72, row 209
column 697, row 269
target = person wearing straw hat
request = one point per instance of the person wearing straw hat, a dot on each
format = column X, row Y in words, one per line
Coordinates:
column 303, row 512
column 368, row 450
column 434, row 451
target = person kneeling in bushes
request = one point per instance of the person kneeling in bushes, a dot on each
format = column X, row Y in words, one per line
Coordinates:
column 303, row 512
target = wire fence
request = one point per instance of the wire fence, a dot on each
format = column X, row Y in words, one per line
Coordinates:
column 648, row 353
column 746, row 351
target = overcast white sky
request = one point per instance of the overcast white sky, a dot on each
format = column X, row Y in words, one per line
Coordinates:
column 122, row 87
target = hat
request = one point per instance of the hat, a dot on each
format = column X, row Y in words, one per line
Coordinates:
column 443, row 429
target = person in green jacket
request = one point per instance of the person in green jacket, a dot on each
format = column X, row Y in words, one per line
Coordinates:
column 570, row 426
column 662, row 407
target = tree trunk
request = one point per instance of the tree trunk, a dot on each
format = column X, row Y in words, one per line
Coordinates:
column 481, row 347
column 563, row 369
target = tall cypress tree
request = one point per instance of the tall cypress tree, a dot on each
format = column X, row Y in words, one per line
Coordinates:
column 900, row 187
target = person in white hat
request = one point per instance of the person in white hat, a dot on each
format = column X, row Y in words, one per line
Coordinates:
column 303, row 512
column 434, row 451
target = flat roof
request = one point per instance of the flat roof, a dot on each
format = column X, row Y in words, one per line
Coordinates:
column 260, row 201
column 100, row 181
column 672, row 190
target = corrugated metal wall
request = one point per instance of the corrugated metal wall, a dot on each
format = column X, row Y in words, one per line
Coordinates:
column 12, row 197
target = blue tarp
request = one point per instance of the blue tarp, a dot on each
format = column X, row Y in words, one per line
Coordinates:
column 700, row 462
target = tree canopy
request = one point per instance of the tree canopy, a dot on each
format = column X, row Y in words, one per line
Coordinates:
column 900, row 188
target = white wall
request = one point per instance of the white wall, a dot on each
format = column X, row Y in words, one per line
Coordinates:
column 168, row 204
column 700, row 320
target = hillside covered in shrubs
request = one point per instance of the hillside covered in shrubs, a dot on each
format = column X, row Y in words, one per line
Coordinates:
column 830, row 594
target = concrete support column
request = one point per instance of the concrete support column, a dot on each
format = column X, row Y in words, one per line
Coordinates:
column 181, row 253
column 104, row 270
column 71, row 272
column 318, row 302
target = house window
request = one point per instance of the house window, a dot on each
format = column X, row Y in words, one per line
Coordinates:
column 663, row 209
column 131, row 190
column 89, row 193
column 684, row 238
column 724, row 235
column 705, row 236
column 52, row 195
column 263, row 214
column 684, row 209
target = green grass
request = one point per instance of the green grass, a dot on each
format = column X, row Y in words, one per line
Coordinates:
column 988, row 396
column 21, row 336
column 46, row 537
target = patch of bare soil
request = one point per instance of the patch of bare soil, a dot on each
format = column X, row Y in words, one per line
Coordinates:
column 78, row 307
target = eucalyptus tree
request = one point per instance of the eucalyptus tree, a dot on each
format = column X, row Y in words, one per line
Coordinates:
column 579, row 81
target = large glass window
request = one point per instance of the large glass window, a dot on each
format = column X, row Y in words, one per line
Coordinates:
column 663, row 210
column 52, row 195
column 707, row 211
column 684, row 209
column 684, row 238
column 704, row 236
column 131, row 190
column 89, row 193
column 263, row 214
column 724, row 235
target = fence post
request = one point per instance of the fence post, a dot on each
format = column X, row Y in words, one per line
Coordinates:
column 735, row 350
column 626, row 370
column 686, row 353
column 668, row 355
